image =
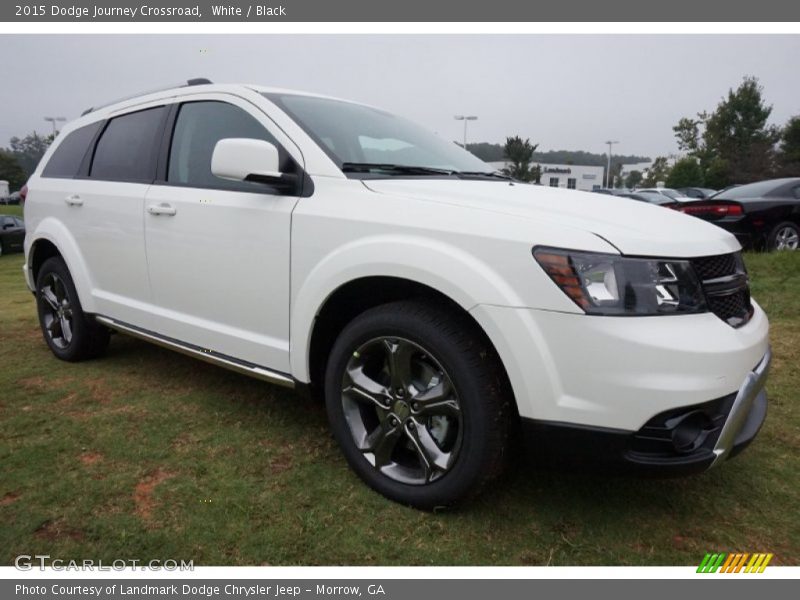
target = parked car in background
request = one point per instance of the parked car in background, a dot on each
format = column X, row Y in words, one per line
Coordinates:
column 652, row 198
column 12, row 234
column 611, row 191
column 730, row 187
column 699, row 193
column 673, row 195
column 763, row 215
column 15, row 198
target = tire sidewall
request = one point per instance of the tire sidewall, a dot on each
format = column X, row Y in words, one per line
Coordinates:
column 469, row 463
column 79, row 326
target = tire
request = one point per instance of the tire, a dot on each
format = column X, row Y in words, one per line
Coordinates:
column 437, row 426
column 71, row 334
column 784, row 236
column 1, row 248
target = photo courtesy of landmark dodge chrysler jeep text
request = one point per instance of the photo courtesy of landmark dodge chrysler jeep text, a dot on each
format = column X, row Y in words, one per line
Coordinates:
column 440, row 308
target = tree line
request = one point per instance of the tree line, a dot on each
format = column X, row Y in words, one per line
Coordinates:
column 19, row 160
column 733, row 144
column 497, row 152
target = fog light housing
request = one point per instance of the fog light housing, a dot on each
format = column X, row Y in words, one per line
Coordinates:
column 690, row 432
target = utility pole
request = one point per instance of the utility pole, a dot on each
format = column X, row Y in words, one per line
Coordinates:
column 53, row 120
column 465, row 118
column 608, row 169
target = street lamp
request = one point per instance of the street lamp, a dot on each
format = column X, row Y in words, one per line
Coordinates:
column 465, row 118
column 53, row 121
column 608, row 169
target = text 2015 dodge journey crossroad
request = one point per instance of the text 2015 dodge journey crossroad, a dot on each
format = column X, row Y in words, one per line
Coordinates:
column 440, row 308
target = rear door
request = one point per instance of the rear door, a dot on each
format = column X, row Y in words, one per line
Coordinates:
column 107, row 207
column 218, row 250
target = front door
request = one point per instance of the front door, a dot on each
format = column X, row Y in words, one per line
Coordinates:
column 218, row 250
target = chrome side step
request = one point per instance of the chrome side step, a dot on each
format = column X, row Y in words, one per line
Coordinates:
column 208, row 356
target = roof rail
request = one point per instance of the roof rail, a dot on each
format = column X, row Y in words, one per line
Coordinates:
column 189, row 82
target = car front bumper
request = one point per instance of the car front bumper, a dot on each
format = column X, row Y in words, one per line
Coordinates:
column 617, row 389
column 727, row 426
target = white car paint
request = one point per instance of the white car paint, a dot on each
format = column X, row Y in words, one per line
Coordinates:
column 252, row 289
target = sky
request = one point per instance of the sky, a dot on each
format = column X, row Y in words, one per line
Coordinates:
column 569, row 92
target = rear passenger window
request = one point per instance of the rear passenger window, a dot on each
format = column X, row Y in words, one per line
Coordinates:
column 200, row 125
column 69, row 154
column 127, row 149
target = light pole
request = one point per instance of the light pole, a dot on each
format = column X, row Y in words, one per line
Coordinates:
column 608, row 169
column 465, row 118
column 53, row 121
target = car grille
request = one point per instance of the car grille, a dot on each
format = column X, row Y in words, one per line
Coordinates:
column 711, row 267
column 726, row 287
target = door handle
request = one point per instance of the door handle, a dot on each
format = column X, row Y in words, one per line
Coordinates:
column 162, row 209
column 73, row 200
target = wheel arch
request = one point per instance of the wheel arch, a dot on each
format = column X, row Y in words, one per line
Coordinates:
column 53, row 239
column 358, row 295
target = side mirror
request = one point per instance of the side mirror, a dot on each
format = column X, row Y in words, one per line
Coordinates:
column 245, row 159
column 8, row 226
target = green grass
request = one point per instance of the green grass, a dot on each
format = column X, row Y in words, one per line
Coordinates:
column 148, row 454
column 11, row 210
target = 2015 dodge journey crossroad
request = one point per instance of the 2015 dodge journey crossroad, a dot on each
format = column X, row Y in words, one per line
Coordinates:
column 440, row 308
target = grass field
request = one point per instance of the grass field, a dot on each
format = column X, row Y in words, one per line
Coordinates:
column 148, row 454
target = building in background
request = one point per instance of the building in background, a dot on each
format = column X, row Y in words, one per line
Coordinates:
column 642, row 167
column 573, row 177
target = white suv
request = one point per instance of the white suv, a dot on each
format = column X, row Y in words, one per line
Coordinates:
column 439, row 308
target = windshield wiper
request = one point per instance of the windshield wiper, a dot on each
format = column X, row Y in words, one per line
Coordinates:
column 363, row 167
column 482, row 174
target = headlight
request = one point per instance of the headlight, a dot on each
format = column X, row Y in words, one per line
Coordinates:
column 609, row 284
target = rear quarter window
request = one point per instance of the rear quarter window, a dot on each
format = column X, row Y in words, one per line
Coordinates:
column 69, row 154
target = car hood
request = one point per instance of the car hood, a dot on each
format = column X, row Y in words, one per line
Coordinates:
column 633, row 227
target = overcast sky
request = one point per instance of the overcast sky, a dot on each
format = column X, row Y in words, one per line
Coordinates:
column 563, row 91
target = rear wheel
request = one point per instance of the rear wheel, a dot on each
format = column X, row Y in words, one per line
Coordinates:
column 69, row 332
column 784, row 236
column 416, row 402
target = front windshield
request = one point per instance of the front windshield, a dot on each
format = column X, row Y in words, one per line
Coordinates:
column 353, row 134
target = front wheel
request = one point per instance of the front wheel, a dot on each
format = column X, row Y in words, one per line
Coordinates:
column 417, row 403
column 71, row 334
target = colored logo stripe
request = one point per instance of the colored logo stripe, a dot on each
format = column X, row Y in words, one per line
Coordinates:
column 734, row 562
